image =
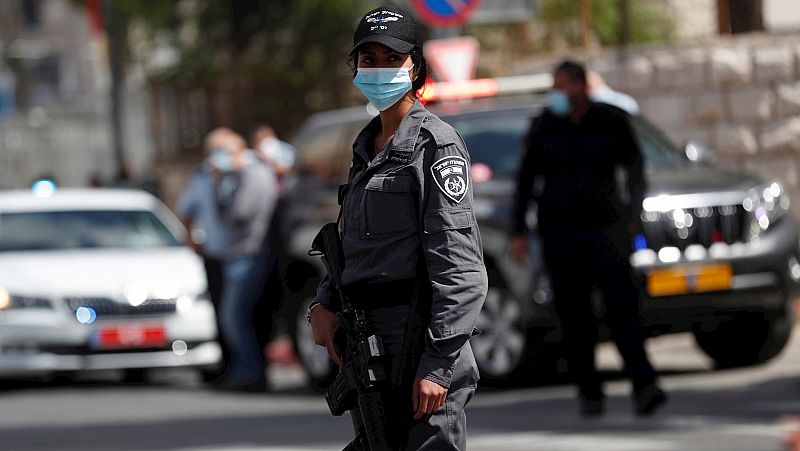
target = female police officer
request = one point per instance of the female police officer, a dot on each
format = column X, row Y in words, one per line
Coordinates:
column 407, row 215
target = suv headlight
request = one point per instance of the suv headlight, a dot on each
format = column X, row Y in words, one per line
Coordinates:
column 766, row 204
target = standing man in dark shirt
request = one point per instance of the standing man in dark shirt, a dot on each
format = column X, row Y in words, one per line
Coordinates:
column 584, row 168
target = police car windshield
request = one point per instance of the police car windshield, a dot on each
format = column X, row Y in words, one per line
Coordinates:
column 63, row 230
column 495, row 138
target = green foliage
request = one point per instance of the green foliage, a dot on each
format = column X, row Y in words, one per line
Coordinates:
column 561, row 22
column 279, row 59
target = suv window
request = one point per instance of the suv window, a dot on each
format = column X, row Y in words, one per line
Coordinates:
column 323, row 151
column 658, row 150
column 494, row 139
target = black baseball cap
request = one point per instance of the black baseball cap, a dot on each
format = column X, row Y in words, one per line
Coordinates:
column 388, row 25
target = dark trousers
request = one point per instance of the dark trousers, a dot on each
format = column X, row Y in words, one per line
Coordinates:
column 444, row 429
column 578, row 261
column 273, row 292
column 214, row 278
column 269, row 300
column 262, row 316
column 243, row 281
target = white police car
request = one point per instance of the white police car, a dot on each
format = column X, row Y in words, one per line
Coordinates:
column 98, row 280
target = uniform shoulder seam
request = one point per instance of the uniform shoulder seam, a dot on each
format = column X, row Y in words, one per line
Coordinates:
column 445, row 135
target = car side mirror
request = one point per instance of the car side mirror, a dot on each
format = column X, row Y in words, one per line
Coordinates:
column 699, row 153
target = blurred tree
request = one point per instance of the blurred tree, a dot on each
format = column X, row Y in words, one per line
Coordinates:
column 561, row 22
column 257, row 60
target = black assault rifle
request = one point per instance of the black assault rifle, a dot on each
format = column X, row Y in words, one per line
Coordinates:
column 359, row 384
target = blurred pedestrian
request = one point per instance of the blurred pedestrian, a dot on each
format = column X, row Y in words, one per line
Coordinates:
column 95, row 180
column 198, row 210
column 279, row 154
column 575, row 150
column 246, row 194
column 600, row 92
column 413, row 258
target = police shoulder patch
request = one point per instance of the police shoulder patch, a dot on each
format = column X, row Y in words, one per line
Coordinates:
column 452, row 176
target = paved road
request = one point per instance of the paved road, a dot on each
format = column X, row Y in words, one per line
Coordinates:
column 709, row 410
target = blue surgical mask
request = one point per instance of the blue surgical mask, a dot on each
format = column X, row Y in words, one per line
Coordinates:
column 220, row 159
column 558, row 103
column 383, row 86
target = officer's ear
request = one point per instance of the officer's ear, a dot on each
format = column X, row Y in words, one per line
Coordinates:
column 414, row 71
column 419, row 70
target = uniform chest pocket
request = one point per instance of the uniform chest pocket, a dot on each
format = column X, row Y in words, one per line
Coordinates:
column 390, row 205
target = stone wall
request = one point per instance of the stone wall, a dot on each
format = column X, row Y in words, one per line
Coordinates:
column 740, row 96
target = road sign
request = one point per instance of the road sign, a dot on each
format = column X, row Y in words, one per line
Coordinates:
column 453, row 59
column 444, row 13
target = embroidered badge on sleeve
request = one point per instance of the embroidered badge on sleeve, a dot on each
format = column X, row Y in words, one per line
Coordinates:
column 451, row 176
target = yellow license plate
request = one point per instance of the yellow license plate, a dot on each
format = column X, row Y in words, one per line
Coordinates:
column 689, row 279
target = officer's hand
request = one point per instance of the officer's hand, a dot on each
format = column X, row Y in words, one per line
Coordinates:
column 324, row 324
column 427, row 397
column 519, row 249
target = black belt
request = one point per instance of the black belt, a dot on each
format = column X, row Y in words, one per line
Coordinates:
column 382, row 294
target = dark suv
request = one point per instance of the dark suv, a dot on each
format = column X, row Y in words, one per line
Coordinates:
column 719, row 257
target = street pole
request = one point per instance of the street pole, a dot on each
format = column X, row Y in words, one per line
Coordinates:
column 586, row 24
column 724, row 16
column 116, row 47
column 624, row 28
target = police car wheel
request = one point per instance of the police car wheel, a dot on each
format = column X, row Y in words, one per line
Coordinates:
column 315, row 360
column 500, row 348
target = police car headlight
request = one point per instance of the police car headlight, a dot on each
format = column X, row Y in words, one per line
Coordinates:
column 766, row 204
column 5, row 299
column 184, row 304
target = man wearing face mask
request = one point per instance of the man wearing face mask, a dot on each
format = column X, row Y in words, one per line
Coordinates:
column 278, row 154
column 246, row 194
column 197, row 209
column 575, row 151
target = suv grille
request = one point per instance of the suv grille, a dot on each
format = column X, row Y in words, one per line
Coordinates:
column 109, row 307
column 702, row 225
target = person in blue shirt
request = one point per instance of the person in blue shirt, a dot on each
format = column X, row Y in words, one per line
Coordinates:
column 245, row 197
column 197, row 209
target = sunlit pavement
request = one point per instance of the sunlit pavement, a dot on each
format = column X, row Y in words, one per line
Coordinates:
column 744, row 409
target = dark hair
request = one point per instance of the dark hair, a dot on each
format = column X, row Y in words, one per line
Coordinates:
column 417, row 58
column 421, row 65
column 574, row 70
